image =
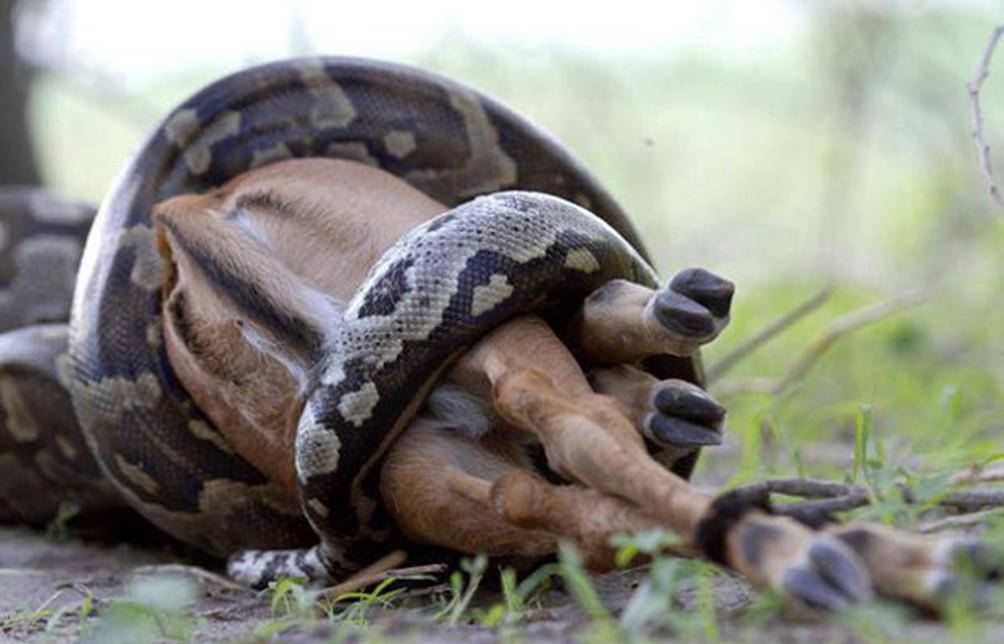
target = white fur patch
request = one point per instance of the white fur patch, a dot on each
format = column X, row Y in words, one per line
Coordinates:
column 449, row 405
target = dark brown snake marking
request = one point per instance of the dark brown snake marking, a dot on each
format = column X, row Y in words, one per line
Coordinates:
column 435, row 292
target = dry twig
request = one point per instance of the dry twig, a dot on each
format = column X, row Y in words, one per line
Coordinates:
column 805, row 488
column 979, row 473
column 366, row 576
column 833, row 496
column 378, row 572
column 811, row 354
column 971, row 500
column 982, row 147
column 828, row 496
column 954, row 522
column 770, row 331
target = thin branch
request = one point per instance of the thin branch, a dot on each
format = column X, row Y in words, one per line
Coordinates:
column 828, row 496
column 805, row 488
column 844, row 325
column 824, row 506
column 979, row 473
column 352, row 585
column 366, row 576
column 770, row 331
column 811, row 354
column 971, row 500
column 974, row 86
column 957, row 521
column 380, row 571
column 838, row 496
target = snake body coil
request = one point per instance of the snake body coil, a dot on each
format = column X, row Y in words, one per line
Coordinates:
column 515, row 241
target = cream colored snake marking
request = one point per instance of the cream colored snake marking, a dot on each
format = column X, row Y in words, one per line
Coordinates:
column 530, row 230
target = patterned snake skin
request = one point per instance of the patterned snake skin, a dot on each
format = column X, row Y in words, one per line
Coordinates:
column 506, row 247
column 44, row 461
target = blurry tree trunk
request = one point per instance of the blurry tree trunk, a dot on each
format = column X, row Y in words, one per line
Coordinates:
column 17, row 160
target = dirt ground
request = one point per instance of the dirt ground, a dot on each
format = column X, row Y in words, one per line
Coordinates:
column 41, row 576
column 45, row 582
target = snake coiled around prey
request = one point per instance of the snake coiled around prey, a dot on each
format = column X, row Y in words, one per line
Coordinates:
column 529, row 230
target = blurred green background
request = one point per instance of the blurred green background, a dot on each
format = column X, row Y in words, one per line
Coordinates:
column 785, row 145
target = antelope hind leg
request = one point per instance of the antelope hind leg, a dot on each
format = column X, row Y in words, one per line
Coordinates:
column 922, row 569
column 538, row 388
column 589, row 438
column 470, row 494
column 677, row 415
column 453, row 481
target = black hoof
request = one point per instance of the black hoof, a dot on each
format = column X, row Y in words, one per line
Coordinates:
column 689, row 405
column 845, row 574
column 832, row 579
column 681, row 433
column 811, row 589
column 705, row 288
column 682, row 315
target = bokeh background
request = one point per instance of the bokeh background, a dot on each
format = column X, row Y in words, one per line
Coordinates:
column 784, row 144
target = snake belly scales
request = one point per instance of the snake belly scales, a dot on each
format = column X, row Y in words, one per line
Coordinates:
column 92, row 411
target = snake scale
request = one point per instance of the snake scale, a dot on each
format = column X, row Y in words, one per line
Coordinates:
column 529, row 230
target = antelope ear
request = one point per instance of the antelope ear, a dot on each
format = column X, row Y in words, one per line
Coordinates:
column 222, row 263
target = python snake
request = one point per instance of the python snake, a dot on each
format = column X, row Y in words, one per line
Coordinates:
column 530, row 230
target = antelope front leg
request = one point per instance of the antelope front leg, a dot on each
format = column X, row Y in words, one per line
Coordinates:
column 622, row 322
